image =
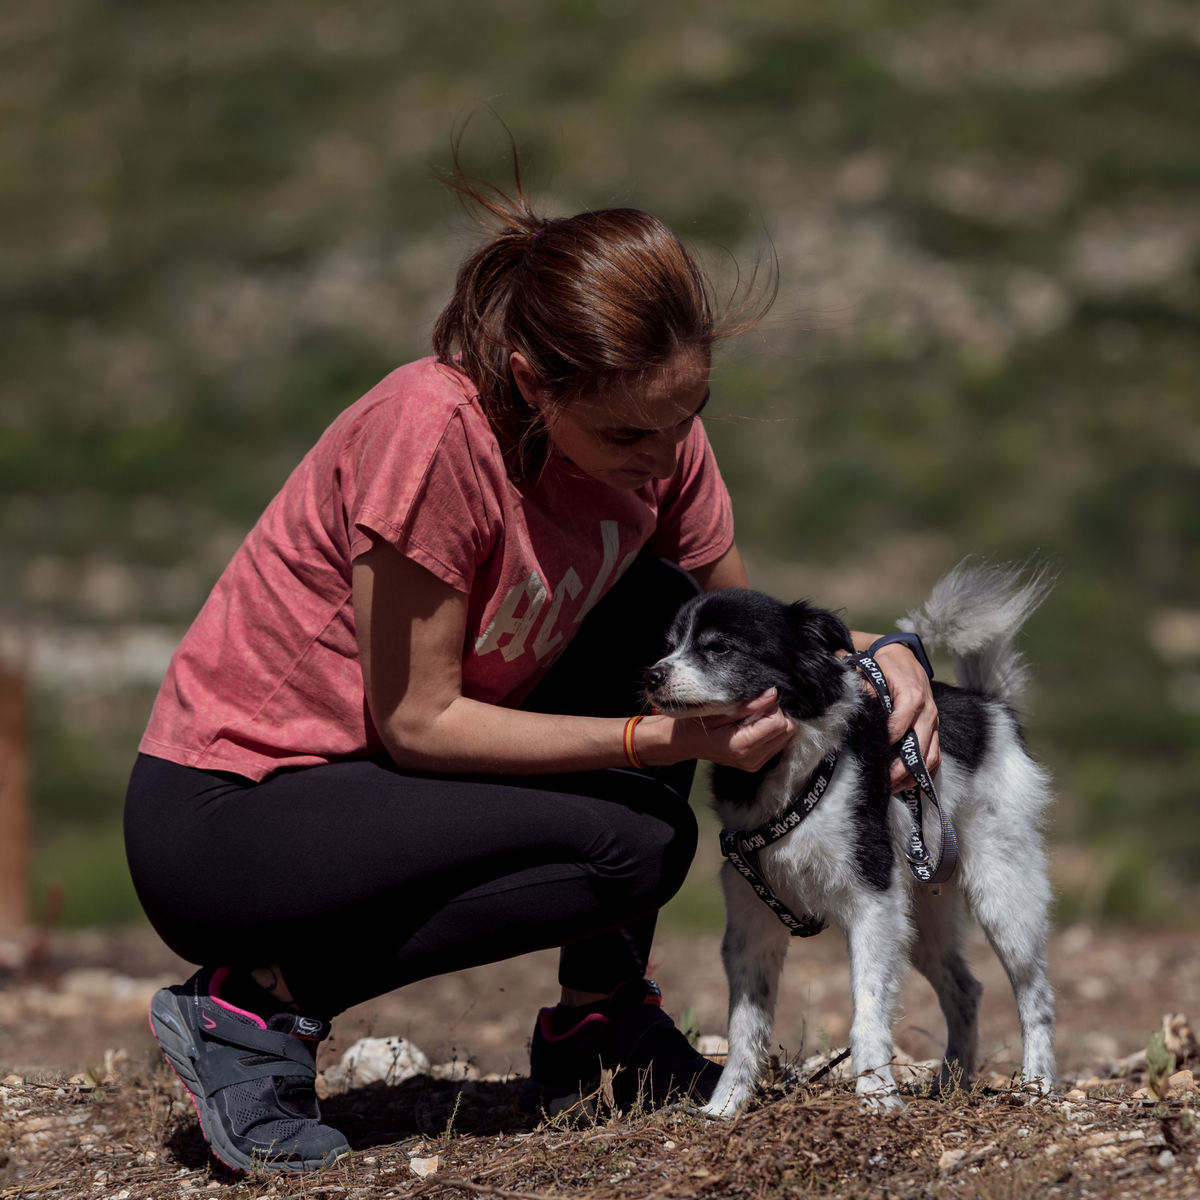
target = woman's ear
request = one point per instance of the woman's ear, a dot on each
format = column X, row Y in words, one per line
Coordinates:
column 526, row 380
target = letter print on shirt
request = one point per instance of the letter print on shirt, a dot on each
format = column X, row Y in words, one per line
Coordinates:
column 523, row 605
column 506, row 620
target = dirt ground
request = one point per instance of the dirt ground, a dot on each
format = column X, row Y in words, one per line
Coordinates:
column 86, row 1108
column 89, row 995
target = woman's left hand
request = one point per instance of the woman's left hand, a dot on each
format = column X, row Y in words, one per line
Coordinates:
column 914, row 709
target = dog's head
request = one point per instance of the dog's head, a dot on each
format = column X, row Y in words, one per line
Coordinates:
column 727, row 647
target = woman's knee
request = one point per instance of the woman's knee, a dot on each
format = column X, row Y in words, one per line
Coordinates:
column 644, row 859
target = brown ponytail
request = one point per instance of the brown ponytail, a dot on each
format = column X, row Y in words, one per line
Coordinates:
column 592, row 301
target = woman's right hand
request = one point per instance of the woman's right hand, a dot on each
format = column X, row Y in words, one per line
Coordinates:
column 746, row 738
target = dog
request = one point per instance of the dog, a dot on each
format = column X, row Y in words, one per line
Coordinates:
column 846, row 862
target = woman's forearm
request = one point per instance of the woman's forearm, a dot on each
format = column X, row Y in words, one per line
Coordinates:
column 474, row 737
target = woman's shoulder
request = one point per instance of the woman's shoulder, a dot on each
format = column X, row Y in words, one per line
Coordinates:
column 424, row 385
column 415, row 404
column 422, row 414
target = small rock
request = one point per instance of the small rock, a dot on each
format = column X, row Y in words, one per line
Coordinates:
column 1177, row 1087
column 423, row 1166
column 390, row 1059
column 454, row 1072
column 1180, row 1085
column 950, row 1159
column 1179, row 1038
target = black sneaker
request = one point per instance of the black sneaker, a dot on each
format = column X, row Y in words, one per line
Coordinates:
column 251, row 1079
column 651, row 1060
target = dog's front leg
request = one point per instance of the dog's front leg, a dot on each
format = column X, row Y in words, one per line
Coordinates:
column 753, row 951
column 878, row 937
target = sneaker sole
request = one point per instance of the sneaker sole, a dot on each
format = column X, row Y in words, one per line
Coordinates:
column 171, row 1032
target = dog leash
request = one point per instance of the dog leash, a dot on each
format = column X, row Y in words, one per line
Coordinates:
column 738, row 845
column 920, row 861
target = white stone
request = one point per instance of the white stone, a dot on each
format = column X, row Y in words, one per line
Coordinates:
column 390, row 1059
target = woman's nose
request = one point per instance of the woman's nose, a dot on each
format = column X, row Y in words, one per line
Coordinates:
column 663, row 454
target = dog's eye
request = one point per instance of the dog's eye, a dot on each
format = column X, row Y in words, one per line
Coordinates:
column 717, row 646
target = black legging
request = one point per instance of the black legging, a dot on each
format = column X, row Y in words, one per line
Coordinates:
column 357, row 877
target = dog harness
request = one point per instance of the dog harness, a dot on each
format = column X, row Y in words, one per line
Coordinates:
column 740, row 846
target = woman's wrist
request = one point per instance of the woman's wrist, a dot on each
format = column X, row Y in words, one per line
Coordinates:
column 652, row 740
column 910, row 641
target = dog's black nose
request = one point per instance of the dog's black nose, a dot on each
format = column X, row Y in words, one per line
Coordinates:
column 654, row 677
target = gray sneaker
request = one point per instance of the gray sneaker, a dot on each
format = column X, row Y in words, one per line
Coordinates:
column 252, row 1080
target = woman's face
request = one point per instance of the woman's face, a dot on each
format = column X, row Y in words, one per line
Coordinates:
column 627, row 439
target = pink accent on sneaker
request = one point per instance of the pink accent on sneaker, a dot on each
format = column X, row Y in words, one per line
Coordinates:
column 546, row 1022
column 188, row 1091
column 218, row 978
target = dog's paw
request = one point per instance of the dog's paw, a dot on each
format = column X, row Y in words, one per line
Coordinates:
column 948, row 1080
column 1037, row 1085
column 879, row 1100
column 724, row 1104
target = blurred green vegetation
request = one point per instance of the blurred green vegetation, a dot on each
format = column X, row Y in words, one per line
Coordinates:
column 222, row 224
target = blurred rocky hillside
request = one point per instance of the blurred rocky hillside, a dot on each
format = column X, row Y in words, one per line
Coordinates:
column 222, row 223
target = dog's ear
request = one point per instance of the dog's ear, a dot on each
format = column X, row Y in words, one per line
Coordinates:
column 819, row 625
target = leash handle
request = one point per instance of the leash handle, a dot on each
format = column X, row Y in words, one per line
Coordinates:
column 920, row 862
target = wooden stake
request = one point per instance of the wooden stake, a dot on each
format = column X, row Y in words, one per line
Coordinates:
column 15, row 825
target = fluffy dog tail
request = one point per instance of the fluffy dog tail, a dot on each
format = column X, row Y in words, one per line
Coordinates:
column 975, row 613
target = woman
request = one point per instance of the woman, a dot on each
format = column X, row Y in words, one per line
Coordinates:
column 403, row 736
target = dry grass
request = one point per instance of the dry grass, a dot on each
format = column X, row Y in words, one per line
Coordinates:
column 131, row 1137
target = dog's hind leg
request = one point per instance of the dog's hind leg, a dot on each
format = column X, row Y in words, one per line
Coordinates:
column 937, row 954
column 878, row 934
column 1010, row 896
column 753, row 951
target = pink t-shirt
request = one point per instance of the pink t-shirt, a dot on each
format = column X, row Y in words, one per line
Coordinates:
column 268, row 675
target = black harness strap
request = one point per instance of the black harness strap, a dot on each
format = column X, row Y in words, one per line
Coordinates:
column 920, row 861
column 739, row 846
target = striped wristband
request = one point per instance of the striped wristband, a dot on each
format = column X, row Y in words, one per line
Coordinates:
column 630, row 753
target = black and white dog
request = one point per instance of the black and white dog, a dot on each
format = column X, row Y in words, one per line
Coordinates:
column 845, row 861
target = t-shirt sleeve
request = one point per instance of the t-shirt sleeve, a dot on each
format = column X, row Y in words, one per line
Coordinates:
column 422, row 494
column 695, row 516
